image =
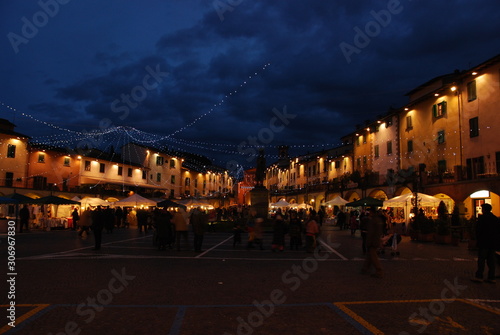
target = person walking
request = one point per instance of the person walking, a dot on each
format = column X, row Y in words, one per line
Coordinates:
column 199, row 222
column 488, row 241
column 85, row 223
column 98, row 221
column 24, row 218
column 374, row 232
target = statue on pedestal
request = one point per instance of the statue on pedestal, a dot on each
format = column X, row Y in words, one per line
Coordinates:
column 260, row 171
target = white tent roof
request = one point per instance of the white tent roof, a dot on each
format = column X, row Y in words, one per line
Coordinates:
column 89, row 201
column 135, row 200
column 281, row 203
column 338, row 201
column 403, row 200
column 303, row 206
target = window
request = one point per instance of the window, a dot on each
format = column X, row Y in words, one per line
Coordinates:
column 409, row 123
column 11, row 151
column 41, row 158
column 144, row 175
column 159, row 160
column 358, row 162
column 9, row 179
column 471, row 91
column 358, row 141
column 474, row 127
column 87, row 165
column 66, row 161
column 120, row 170
column 440, row 137
column 364, row 160
column 337, row 164
column 102, row 167
column 410, row 145
column 364, row 138
column 172, row 163
column 158, row 177
column 187, row 182
column 438, row 110
column 377, row 154
column 172, row 180
column 129, row 172
column 196, row 183
column 389, row 147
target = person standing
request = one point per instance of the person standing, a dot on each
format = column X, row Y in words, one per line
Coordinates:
column 488, row 240
column 24, row 218
column 76, row 218
column 312, row 231
column 374, row 232
column 98, row 219
column 295, row 231
column 181, row 229
column 199, row 221
column 279, row 232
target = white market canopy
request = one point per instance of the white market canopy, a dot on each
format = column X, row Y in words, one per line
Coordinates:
column 337, row 201
column 281, row 203
column 195, row 203
column 301, row 206
column 89, row 201
column 135, row 200
column 424, row 200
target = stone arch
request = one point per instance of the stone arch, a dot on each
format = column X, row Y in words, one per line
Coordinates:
column 402, row 190
column 352, row 196
column 378, row 194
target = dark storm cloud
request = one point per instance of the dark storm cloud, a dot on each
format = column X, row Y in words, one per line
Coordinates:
column 210, row 56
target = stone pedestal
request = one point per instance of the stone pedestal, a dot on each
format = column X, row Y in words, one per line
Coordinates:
column 259, row 200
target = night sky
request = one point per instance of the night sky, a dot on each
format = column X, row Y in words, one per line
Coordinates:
column 215, row 77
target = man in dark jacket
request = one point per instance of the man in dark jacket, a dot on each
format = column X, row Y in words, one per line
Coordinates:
column 488, row 240
column 98, row 219
column 374, row 231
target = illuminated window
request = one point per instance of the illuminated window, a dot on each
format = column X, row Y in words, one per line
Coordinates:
column 474, row 127
column 11, row 151
column 439, row 110
column 87, row 165
column 376, row 151
column 159, row 160
column 172, row 163
column 41, row 158
column 471, row 91
column 102, row 167
column 409, row 122
column 389, row 147
column 66, row 161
